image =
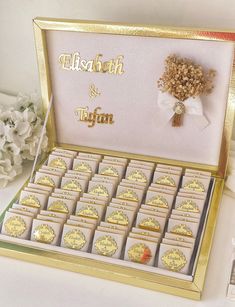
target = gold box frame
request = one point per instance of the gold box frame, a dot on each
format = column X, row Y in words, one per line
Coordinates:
column 154, row 281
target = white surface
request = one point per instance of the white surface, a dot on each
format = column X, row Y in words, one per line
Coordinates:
column 25, row 284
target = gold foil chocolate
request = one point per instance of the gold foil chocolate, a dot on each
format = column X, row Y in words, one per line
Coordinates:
column 188, row 205
column 46, row 180
column 150, row 223
column 99, row 190
column 140, row 253
column 72, row 185
column 182, row 229
column 158, row 201
column 15, row 226
column 106, row 246
column 58, row 206
column 88, row 211
column 174, row 260
column 31, row 201
column 44, row 234
column 128, row 194
column 166, row 180
column 137, row 175
column 109, row 171
column 58, row 163
column 194, row 185
column 83, row 167
column 118, row 217
column 74, row 239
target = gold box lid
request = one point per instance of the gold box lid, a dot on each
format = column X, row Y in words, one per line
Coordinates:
column 103, row 77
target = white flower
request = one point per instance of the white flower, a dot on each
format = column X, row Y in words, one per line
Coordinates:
column 29, row 117
column 20, row 132
column 30, row 148
column 31, row 102
column 7, row 172
column 11, row 148
column 9, row 116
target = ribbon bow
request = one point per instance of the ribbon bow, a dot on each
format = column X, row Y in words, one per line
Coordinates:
column 193, row 107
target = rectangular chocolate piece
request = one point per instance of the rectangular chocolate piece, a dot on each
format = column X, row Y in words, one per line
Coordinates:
column 140, row 251
column 47, row 232
column 107, row 244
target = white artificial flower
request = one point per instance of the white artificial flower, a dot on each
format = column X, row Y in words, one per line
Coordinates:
column 30, row 148
column 31, row 102
column 11, row 149
column 29, row 116
column 20, row 131
column 9, row 116
column 7, row 172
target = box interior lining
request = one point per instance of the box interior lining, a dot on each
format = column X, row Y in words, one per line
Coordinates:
column 122, row 262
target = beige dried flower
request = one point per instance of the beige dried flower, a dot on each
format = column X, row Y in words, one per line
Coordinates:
column 183, row 78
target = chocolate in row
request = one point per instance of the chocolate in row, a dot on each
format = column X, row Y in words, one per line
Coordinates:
column 63, row 191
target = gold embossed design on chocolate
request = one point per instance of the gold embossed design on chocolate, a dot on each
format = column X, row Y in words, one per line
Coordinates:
column 128, row 194
column 88, row 211
column 106, row 246
column 158, row 201
column 188, row 205
column 30, row 201
column 137, row 175
column 46, row 180
column 74, row 239
column 99, row 190
column 118, row 217
column 58, row 206
column 150, row 223
column 58, row 163
column 194, row 185
column 140, row 253
column 83, row 167
column 15, row 226
column 109, row 171
column 72, row 185
column 174, row 260
column 44, row 233
column 182, row 229
column 166, row 180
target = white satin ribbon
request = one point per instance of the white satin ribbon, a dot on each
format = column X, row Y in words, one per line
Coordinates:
column 193, row 107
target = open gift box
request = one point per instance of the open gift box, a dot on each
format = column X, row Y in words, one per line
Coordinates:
column 103, row 77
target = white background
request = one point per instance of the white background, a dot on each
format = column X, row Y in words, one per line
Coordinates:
column 23, row 284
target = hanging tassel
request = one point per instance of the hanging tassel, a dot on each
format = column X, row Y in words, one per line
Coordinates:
column 177, row 120
column 179, row 109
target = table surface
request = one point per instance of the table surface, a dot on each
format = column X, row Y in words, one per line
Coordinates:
column 22, row 283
